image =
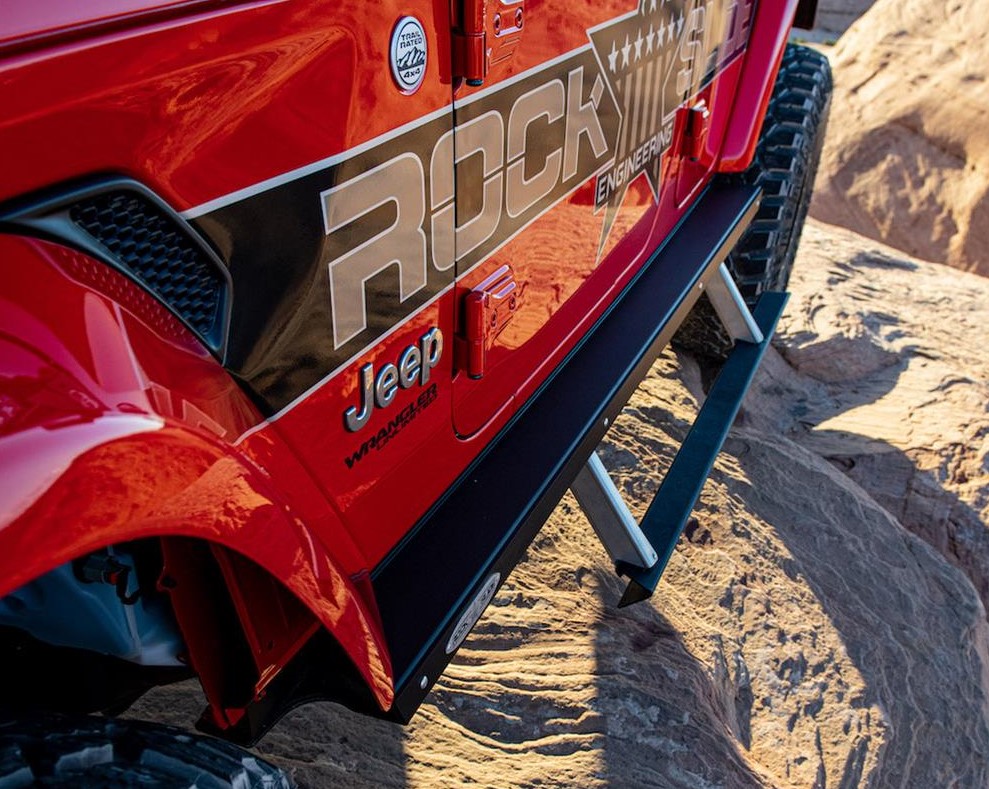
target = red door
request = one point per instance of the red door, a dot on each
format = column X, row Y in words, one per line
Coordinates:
column 562, row 161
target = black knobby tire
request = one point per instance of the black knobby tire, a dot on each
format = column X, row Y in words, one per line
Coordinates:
column 56, row 751
column 785, row 165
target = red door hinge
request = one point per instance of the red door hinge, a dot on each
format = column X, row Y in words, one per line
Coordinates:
column 487, row 310
column 485, row 32
column 695, row 125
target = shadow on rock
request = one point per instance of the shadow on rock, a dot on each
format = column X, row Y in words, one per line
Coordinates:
column 320, row 745
column 670, row 721
column 910, row 624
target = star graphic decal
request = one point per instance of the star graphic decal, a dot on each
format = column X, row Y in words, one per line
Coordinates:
column 648, row 83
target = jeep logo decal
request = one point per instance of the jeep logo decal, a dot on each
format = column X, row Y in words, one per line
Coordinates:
column 412, row 367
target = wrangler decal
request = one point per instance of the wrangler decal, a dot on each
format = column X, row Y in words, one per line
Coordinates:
column 392, row 427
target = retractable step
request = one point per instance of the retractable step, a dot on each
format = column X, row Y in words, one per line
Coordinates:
column 620, row 534
column 610, row 517
column 669, row 511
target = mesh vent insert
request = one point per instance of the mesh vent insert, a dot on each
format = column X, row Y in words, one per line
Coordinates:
column 148, row 243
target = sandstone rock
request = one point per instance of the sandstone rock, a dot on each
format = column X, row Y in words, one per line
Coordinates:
column 910, row 418
column 801, row 637
column 836, row 16
column 908, row 163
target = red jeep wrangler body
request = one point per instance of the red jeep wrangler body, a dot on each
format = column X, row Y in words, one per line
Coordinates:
column 305, row 322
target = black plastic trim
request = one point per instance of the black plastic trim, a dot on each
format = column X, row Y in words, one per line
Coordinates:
column 47, row 215
column 489, row 517
column 806, row 16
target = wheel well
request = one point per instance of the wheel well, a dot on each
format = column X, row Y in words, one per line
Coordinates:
column 258, row 651
column 191, row 608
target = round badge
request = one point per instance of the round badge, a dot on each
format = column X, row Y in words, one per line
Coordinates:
column 408, row 54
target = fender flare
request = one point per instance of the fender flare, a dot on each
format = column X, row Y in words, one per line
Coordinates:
column 97, row 451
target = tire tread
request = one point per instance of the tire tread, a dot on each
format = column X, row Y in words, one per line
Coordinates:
column 60, row 751
column 784, row 166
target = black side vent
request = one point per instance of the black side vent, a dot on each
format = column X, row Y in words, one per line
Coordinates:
column 124, row 224
column 149, row 245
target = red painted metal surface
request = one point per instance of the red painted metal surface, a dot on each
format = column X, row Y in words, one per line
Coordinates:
column 116, row 425
column 114, row 420
column 203, row 105
column 566, row 276
column 227, row 82
column 24, row 27
column 765, row 52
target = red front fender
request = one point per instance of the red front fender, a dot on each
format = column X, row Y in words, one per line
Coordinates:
column 115, row 425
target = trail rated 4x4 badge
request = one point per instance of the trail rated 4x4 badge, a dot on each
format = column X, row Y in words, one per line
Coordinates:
column 408, row 54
